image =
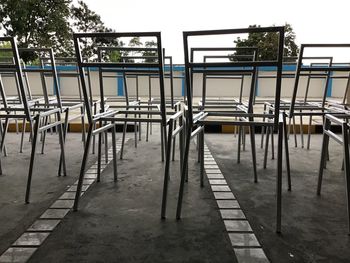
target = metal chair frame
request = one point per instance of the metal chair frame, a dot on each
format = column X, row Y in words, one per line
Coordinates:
column 108, row 116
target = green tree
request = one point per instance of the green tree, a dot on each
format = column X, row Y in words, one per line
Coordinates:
column 149, row 44
column 50, row 23
column 86, row 20
column 267, row 45
column 37, row 23
column 5, row 56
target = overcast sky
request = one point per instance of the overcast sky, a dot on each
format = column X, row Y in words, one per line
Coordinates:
column 314, row 21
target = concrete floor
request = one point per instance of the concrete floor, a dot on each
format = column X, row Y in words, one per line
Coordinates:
column 314, row 228
column 121, row 222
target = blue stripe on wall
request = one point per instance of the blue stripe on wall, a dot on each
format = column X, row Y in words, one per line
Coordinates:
column 120, row 82
column 183, row 85
column 329, row 86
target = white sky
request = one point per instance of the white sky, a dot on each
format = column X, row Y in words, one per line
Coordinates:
column 314, row 21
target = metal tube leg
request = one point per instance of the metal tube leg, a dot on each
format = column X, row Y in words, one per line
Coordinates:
column 286, row 150
column 309, row 133
column 4, row 133
column 181, row 145
column 62, row 143
column 174, row 143
column 16, row 123
column 201, row 150
column 289, row 126
column 252, row 144
column 65, row 129
column 272, row 145
column 295, row 133
column 324, row 148
column 162, row 142
column 43, row 136
column 266, row 146
column 83, row 165
column 32, row 157
column 301, row 132
column 243, row 138
column 83, row 127
column 22, row 135
column 147, row 131
column 239, row 144
column 123, row 140
column 114, row 147
column 99, row 156
column 135, row 133
column 106, row 147
column 93, row 141
column 167, row 170
column 279, row 178
column 183, row 172
column 347, row 168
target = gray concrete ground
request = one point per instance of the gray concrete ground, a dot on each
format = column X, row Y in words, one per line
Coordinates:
column 15, row 215
column 314, row 228
column 121, row 222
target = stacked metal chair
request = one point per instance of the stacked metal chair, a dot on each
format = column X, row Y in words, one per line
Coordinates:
column 195, row 122
column 109, row 115
column 234, row 103
column 33, row 111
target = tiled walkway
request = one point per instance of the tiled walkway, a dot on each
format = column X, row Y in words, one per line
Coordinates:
column 24, row 247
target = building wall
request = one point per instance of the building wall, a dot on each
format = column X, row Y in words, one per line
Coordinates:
column 215, row 87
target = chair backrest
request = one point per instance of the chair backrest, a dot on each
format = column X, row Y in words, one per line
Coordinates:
column 14, row 66
column 319, row 70
column 251, row 54
column 105, row 65
column 46, row 68
column 234, row 66
column 136, row 54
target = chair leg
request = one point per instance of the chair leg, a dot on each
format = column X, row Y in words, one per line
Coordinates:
column 286, row 150
column 324, row 148
column 123, row 140
column 167, row 170
column 301, row 131
column 272, row 145
column 174, row 143
column 243, row 138
column 22, row 135
column 183, row 172
column 93, row 141
column 239, row 144
column 252, row 144
column 201, row 150
column 32, row 157
column 114, row 147
column 99, row 156
column 309, row 133
column 83, row 166
column 3, row 137
column 43, row 137
column 345, row 130
column 295, row 133
column 65, row 129
column 266, row 146
column 279, row 178
column 106, row 146
column 83, row 127
column 61, row 135
column 162, row 142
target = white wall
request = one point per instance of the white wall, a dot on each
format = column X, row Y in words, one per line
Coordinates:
column 215, row 87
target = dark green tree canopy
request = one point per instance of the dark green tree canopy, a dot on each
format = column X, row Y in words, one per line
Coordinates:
column 267, row 44
column 49, row 23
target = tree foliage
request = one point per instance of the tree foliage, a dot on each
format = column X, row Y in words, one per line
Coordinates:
column 267, row 45
column 50, row 23
column 37, row 23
